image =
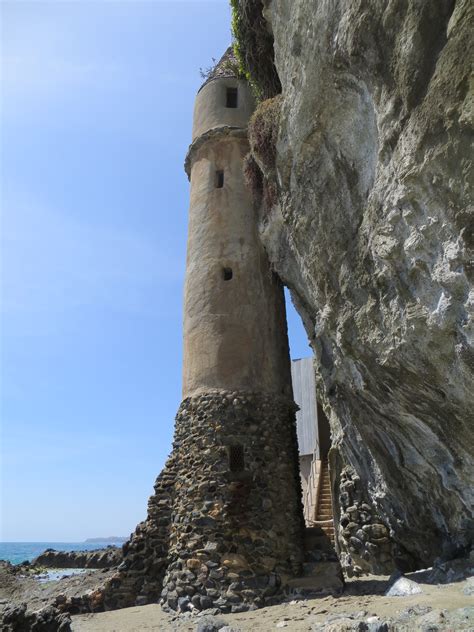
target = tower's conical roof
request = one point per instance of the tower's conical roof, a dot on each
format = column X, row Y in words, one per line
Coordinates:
column 227, row 66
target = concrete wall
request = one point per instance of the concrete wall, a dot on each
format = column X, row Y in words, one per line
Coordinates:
column 210, row 109
column 234, row 331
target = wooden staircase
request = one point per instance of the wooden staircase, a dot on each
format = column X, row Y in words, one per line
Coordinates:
column 323, row 511
column 321, row 568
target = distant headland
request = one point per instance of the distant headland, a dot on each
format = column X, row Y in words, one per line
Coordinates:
column 110, row 538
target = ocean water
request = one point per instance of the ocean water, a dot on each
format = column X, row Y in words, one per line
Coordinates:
column 16, row 552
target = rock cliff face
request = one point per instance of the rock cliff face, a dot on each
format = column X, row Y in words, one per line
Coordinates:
column 371, row 234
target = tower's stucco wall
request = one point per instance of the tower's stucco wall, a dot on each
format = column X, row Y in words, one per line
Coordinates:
column 234, row 330
column 210, row 109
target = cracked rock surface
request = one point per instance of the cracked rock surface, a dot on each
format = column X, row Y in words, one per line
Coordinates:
column 372, row 234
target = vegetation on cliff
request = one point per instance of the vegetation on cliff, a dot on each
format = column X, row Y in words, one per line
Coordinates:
column 253, row 47
column 259, row 165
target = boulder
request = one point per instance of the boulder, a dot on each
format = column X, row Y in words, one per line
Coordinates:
column 403, row 587
column 17, row 618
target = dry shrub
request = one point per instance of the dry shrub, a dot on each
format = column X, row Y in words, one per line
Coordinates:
column 264, row 190
column 263, row 132
column 253, row 177
column 270, row 195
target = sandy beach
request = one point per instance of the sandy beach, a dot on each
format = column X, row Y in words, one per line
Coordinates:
column 363, row 599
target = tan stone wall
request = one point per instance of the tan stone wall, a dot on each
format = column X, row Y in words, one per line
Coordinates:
column 234, row 331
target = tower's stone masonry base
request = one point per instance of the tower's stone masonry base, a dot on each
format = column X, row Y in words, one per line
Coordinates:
column 140, row 576
column 215, row 537
column 235, row 535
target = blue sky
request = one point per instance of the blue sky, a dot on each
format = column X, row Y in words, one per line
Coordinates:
column 96, row 116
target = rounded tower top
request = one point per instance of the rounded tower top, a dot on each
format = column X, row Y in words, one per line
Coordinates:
column 224, row 99
column 226, row 67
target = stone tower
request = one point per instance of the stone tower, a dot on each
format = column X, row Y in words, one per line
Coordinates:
column 224, row 527
column 234, row 316
column 237, row 521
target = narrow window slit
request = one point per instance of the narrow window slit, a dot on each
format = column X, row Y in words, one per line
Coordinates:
column 227, row 274
column 231, row 98
column 219, row 179
column 235, row 454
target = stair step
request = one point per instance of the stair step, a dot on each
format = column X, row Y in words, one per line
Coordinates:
column 326, row 578
column 324, row 502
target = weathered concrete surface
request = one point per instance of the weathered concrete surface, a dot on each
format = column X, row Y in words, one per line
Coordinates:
column 210, row 110
column 235, row 330
column 371, row 234
column 225, row 344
